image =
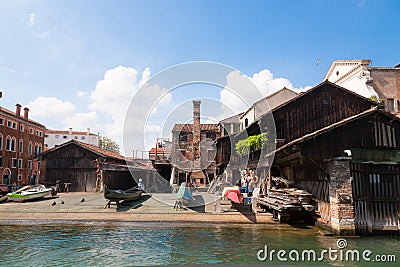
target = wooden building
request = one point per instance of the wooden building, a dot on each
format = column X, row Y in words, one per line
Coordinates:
column 21, row 140
column 82, row 165
column 341, row 147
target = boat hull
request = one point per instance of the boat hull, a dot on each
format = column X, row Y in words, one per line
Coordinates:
column 119, row 195
column 29, row 194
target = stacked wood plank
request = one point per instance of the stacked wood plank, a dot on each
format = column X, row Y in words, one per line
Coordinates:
column 287, row 200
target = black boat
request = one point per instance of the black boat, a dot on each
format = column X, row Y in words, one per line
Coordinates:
column 122, row 195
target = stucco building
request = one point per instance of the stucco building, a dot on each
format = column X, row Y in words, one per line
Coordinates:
column 54, row 138
column 382, row 83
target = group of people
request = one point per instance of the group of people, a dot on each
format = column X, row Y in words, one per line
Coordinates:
column 248, row 179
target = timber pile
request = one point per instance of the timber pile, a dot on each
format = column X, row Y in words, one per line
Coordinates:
column 287, row 199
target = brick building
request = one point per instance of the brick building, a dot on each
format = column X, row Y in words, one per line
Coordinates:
column 21, row 140
column 193, row 153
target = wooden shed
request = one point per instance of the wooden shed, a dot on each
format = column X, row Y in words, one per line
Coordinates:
column 78, row 163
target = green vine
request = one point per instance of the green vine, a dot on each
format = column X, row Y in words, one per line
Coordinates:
column 251, row 144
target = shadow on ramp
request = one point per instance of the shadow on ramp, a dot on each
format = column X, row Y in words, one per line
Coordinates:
column 127, row 205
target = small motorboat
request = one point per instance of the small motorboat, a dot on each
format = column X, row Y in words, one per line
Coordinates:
column 29, row 193
column 122, row 195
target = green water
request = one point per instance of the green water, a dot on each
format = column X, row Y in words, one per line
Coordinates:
column 134, row 244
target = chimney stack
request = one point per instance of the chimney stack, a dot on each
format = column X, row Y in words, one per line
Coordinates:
column 70, row 131
column 196, row 129
column 26, row 112
column 88, row 132
column 18, row 110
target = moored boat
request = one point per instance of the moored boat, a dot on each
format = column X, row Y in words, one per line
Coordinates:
column 30, row 193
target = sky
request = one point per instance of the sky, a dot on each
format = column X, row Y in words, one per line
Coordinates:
column 79, row 63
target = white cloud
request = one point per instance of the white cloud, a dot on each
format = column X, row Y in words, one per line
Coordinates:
column 46, row 107
column 263, row 80
column 113, row 95
column 82, row 121
column 40, row 35
column 81, row 94
column 32, row 19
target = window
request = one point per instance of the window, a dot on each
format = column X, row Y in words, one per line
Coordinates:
column 21, row 146
column 83, row 138
column 1, row 161
column 1, row 121
column 46, row 145
column 38, row 165
column 56, row 136
column 64, row 136
column 76, row 137
column 30, row 164
column 39, row 133
column 13, row 143
column 30, row 148
column 14, row 163
column 246, row 122
column 46, row 136
column 9, row 124
column 31, row 131
column 182, row 137
column 21, row 128
column 385, row 134
column 8, row 143
column 1, row 142
column 19, row 163
column 19, row 177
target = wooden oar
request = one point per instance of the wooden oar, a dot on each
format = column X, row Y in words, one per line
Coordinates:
column 3, row 198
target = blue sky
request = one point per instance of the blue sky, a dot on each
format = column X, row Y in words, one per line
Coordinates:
column 54, row 55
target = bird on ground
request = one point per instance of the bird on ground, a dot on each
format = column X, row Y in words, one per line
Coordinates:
column 53, row 204
column 62, row 201
column 83, row 200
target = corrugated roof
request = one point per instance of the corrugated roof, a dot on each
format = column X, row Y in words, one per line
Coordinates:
column 189, row 127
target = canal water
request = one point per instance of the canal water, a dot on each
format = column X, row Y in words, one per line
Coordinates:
column 141, row 244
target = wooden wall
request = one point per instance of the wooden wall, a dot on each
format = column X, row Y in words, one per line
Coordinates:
column 317, row 109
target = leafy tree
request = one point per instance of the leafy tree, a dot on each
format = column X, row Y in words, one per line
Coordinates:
column 251, row 144
column 107, row 143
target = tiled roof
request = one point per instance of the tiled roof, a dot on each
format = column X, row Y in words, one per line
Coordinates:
column 95, row 149
column 48, row 131
column 189, row 127
column 13, row 114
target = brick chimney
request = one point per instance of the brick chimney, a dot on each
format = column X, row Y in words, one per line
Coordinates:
column 18, row 110
column 196, row 129
column 26, row 113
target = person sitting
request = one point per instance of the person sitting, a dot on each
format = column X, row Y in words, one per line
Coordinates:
column 140, row 185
